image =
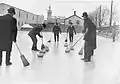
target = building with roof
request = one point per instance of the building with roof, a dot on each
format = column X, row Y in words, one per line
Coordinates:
column 22, row 16
column 54, row 19
column 76, row 20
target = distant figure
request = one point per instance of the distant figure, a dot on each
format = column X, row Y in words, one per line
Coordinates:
column 114, row 35
column 56, row 30
column 8, row 34
column 36, row 31
column 90, row 37
column 71, row 31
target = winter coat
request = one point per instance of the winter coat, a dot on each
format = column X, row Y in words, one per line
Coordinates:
column 90, row 32
column 56, row 29
column 71, row 30
column 36, row 31
column 8, row 32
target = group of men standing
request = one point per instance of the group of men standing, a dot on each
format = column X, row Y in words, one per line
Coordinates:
column 8, row 34
column 57, row 30
column 89, row 32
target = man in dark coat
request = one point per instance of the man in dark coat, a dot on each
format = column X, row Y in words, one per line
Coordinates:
column 90, row 37
column 8, row 34
column 56, row 30
column 71, row 31
column 36, row 31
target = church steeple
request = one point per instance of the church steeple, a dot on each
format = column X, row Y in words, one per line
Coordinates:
column 49, row 7
column 49, row 12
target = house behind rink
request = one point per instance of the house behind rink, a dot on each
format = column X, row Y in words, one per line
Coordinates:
column 22, row 16
column 76, row 20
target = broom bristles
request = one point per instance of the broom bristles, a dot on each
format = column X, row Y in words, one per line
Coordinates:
column 24, row 61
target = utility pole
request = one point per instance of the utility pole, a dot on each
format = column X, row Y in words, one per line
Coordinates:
column 100, row 17
column 111, row 13
column 96, row 19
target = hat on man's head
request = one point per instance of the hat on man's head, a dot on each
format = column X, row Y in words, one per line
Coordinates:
column 85, row 14
column 11, row 10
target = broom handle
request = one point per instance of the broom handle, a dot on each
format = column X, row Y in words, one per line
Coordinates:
column 51, row 37
column 76, row 42
column 18, row 48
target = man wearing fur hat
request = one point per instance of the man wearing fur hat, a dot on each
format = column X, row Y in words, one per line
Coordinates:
column 90, row 37
column 8, row 34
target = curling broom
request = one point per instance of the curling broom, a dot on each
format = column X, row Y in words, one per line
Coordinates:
column 68, row 49
column 24, row 60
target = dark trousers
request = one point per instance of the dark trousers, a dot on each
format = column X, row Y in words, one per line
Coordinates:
column 88, row 51
column 92, row 52
column 71, row 37
column 113, row 38
column 56, row 36
column 34, row 40
column 8, row 54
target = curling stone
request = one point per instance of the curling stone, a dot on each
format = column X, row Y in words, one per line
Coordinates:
column 80, row 53
column 65, row 45
column 40, row 54
column 72, row 49
column 67, row 50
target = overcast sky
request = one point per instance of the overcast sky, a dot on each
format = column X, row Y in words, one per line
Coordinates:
column 60, row 7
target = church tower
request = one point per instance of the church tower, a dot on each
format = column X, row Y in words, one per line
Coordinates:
column 49, row 13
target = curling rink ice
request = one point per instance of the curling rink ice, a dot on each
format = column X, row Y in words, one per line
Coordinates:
column 58, row 67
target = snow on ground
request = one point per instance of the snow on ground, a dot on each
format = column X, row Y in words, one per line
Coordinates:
column 58, row 67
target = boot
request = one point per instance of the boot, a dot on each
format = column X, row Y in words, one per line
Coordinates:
column 8, row 58
column 83, row 58
column 34, row 47
column 0, row 58
column 8, row 63
column 36, row 50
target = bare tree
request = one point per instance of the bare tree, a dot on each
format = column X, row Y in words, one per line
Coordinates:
column 101, row 17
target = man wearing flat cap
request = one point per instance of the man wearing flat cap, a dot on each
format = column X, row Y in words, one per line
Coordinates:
column 56, row 30
column 71, row 31
column 8, row 34
column 89, row 37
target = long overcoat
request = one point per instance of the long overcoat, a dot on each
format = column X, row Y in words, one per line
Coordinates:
column 90, row 33
column 8, row 32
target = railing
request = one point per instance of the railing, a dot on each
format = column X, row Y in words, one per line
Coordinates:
column 109, row 34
